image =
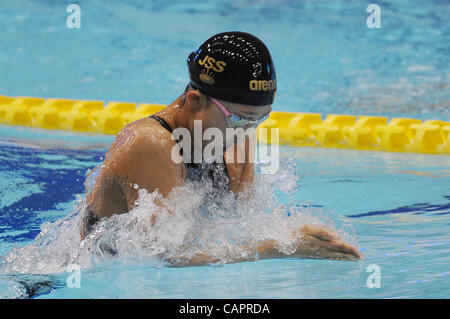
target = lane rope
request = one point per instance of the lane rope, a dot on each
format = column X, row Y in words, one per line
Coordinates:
column 374, row 133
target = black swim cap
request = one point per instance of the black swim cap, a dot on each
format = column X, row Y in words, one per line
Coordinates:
column 234, row 67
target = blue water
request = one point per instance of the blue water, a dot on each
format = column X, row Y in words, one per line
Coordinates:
column 395, row 206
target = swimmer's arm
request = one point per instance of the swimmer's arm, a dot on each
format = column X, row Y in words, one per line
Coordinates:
column 136, row 160
column 147, row 164
column 315, row 242
column 107, row 196
column 241, row 175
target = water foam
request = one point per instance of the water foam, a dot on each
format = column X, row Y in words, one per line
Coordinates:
column 181, row 228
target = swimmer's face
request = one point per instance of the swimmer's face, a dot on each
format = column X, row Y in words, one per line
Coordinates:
column 242, row 119
column 241, row 115
column 226, row 115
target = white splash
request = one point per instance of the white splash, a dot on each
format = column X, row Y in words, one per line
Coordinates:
column 181, row 228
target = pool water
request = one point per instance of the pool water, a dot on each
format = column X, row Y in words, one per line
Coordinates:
column 394, row 206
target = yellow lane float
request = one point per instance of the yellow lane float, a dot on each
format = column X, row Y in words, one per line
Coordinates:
column 374, row 133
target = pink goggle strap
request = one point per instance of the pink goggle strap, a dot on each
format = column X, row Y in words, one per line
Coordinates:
column 221, row 107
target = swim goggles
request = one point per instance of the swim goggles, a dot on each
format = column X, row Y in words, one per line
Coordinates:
column 236, row 120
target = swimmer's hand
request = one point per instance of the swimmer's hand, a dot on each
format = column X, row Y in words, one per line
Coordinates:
column 319, row 242
column 314, row 242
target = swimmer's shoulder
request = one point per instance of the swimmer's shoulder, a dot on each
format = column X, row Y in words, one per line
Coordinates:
column 146, row 132
column 144, row 144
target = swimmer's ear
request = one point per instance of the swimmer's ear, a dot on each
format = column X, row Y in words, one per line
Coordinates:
column 196, row 100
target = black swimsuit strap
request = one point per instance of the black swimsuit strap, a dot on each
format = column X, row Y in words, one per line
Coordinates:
column 162, row 122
